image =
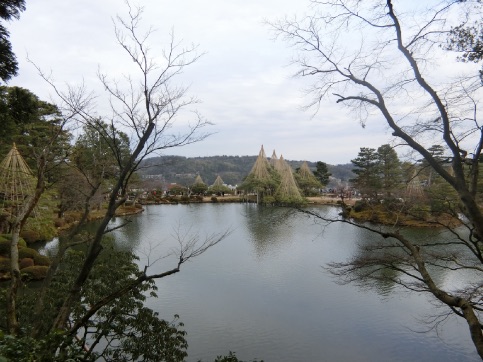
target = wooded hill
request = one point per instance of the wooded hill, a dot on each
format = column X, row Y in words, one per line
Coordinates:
column 232, row 169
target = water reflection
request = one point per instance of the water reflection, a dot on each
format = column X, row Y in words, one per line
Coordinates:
column 263, row 293
column 128, row 232
column 269, row 227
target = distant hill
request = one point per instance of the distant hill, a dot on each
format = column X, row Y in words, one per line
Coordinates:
column 232, row 169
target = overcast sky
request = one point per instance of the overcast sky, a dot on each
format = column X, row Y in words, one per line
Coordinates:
column 244, row 81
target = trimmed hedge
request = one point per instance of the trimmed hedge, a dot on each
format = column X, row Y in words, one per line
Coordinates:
column 42, row 260
column 25, row 262
column 27, row 253
column 35, row 272
column 5, row 246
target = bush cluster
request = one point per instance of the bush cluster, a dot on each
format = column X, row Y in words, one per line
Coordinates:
column 36, row 272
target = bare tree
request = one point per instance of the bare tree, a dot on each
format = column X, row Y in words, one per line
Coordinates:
column 145, row 109
column 379, row 60
column 148, row 112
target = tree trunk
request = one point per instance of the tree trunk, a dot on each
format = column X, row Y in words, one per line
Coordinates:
column 12, row 321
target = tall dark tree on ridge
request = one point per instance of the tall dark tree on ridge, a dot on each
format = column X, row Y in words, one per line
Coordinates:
column 9, row 9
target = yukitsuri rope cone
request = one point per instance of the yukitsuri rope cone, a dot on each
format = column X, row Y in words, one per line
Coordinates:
column 273, row 159
column 218, row 181
column 261, row 168
column 414, row 188
column 306, row 173
column 279, row 165
column 288, row 189
column 16, row 183
column 198, row 180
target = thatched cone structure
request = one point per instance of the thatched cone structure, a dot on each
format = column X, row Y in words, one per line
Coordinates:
column 279, row 165
column 305, row 171
column 414, row 189
column 16, row 183
column 273, row 159
column 288, row 190
column 218, row 182
column 261, row 179
column 198, row 180
column 261, row 168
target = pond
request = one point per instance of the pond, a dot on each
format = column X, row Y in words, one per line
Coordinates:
column 263, row 292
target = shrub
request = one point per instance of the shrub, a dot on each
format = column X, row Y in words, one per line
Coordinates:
column 4, row 264
column 22, row 243
column 42, row 260
column 25, row 262
column 360, row 205
column 39, row 232
column 27, row 253
column 214, row 199
column 4, row 247
column 269, row 200
column 184, row 198
column 59, row 223
column 35, row 272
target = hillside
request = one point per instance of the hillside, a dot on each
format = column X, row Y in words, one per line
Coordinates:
column 232, row 169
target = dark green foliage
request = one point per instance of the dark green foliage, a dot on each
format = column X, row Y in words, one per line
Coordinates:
column 379, row 173
column 4, row 247
column 8, row 63
column 322, row 173
column 367, row 169
column 132, row 332
column 360, row 205
column 27, row 253
column 231, row 357
column 390, row 170
column 467, row 39
column 40, row 229
column 42, row 260
column 219, row 189
column 199, row 188
column 4, row 264
column 101, row 150
column 263, row 187
column 8, row 237
column 178, row 190
column 26, row 349
column 149, row 338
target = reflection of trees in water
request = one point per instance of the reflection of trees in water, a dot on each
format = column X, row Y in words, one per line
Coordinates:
column 129, row 236
column 382, row 264
column 269, row 227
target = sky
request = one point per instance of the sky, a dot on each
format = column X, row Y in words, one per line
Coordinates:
column 244, row 79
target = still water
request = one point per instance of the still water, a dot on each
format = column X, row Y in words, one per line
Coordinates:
column 263, row 293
